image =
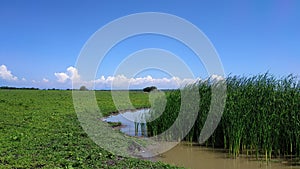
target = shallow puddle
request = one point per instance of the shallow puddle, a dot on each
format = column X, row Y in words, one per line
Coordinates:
column 195, row 157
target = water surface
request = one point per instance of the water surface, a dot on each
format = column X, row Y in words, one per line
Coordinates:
column 198, row 157
column 195, row 157
column 133, row 122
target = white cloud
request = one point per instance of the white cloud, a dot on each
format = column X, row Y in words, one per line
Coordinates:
column 123, row 82
column 71, row 74
column 216, row 77
column 45, row 80
column 6, row 74
column 61, row 77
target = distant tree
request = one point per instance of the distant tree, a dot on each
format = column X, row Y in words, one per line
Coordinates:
column 83, row 88
column 149, row 89
column 18, row 88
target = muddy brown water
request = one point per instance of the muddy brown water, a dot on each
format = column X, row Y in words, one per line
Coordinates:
column 194, row 157
column 198, row 157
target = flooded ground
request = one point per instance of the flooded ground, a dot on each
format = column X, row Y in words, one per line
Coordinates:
column 198, row 157
column 195, row 157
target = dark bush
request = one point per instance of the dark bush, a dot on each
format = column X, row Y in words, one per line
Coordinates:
column 149, row 89
column 83, row 88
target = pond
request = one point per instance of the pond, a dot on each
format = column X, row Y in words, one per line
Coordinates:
column 186, row 155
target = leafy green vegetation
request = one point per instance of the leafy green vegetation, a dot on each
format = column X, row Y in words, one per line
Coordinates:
column 40, row 129
column 261, row 116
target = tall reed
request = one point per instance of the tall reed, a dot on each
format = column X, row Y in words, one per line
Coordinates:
column 261, row 116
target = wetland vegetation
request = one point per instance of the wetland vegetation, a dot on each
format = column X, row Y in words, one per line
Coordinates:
column 261, row 116
column 261, row 119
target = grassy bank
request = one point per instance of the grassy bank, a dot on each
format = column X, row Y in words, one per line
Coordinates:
column 261, row 116
column 40, row 129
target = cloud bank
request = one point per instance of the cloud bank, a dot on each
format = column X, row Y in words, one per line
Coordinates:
column 121, row 81
column 71, row 79
column 7, row 78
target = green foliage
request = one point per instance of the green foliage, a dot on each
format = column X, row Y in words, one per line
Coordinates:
column 83, row 88
column 40, row 129
column 149, row 89
column 261, row 116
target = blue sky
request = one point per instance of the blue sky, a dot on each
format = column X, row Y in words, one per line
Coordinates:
column 41, row 40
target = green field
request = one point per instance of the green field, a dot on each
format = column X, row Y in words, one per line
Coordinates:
column 40, row 129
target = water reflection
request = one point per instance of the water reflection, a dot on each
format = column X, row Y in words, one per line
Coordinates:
column 133, row 122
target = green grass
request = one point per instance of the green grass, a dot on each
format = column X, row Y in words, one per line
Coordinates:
column 105, row 101
column 40, row 129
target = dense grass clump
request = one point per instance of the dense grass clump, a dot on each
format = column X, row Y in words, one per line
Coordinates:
column 261, row 116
